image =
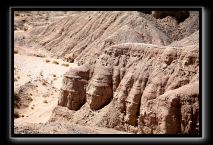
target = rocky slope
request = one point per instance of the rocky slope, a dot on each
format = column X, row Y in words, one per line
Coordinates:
column 78, row 36
column 138, row 72
column 145, row 82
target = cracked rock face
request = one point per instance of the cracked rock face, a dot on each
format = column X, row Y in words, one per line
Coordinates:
column 138, row 87
column 76, row 89
column 173, row 112
column 156, row 90
column 99, row 90
column 73, row 91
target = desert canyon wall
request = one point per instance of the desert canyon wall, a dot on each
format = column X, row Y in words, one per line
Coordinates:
column 137, row 71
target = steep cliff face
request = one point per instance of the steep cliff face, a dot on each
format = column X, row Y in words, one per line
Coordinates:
column 99, row 90
column 73, row 91
column 155, row 89
column 174, row 112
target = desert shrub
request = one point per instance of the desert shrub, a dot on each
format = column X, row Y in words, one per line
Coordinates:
column 39, row 55
column 30, row 99
column 47, row 60
column 44, row 83
column 25, row 29
column 65, row 64
column 55, row 62
column 45, row 101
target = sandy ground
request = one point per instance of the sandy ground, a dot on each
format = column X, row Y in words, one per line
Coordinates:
column 62, row 128
column 35, row 121
column 29, row 68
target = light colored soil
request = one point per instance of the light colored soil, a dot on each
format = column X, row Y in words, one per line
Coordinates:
column 30, row 68
column 34, row 119
column 62, row 128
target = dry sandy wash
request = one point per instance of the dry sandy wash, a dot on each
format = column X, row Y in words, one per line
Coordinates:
column 106, row 72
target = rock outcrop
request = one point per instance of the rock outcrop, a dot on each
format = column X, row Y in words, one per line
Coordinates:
column 174, row 112
column 99, row 90
column 73, row 91
column 148, row 85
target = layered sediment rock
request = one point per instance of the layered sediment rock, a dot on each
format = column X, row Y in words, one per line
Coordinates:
column 148, row 87
column 82, row 36
column 173, row 112
column 144, row 84
column 99, row 90
column 73, row 91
